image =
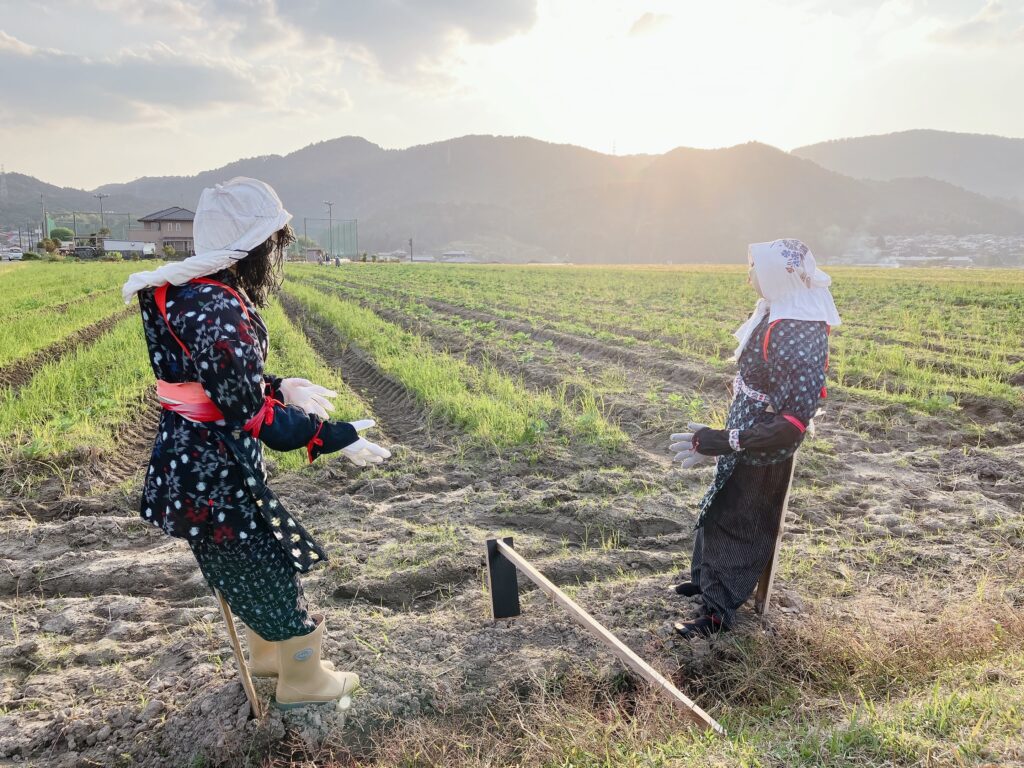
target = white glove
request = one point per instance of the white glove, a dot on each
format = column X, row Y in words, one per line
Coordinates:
column 682, row 443
column 311, row 398
column 362, row 451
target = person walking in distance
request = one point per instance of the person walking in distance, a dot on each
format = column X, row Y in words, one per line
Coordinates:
column 206, row 480
column 782, row 358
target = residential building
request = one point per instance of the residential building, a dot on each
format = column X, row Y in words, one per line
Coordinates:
column 171, row 226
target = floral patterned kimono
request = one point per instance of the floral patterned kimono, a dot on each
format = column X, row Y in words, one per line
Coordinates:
column 741, row 512
column 206, row 481
column 782, row 357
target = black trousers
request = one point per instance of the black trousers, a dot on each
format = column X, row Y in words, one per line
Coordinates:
column 737, row 539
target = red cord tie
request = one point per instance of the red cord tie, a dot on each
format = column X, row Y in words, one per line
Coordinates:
column 795, row 422
column 315, row 441
column 265, row 415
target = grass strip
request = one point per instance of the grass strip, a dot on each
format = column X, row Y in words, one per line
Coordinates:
column 292, row 355
column 39, row 286
column 492, row 408
column 926, row 339
column 29, row 332
column 80, row 401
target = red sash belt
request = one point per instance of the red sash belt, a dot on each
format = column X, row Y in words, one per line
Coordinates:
column 190, row 401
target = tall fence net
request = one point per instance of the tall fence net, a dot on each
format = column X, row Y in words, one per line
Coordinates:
column 327, row 238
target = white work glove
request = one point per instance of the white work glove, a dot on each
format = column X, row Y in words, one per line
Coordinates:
column 311, row 398
column 682, row 444
column 362, row 451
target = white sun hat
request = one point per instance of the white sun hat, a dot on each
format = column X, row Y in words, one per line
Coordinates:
column 232, row 218
column 792, row 287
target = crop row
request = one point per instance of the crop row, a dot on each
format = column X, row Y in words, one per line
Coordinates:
column 28, row 332
column 489, row 406
column 83, row 402
column 292, row 355
column 41, row 286
column 508, row 349
column 920, row 337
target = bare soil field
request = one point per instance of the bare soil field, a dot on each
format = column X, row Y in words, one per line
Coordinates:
column 896, row 635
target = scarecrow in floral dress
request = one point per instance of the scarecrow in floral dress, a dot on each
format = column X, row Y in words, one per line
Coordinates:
column 206, row 480
column 782, row 356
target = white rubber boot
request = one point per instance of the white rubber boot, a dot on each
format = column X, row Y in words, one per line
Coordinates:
column 263, row 654
column 303, row 679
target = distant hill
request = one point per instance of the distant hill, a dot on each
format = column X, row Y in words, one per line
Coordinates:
column 518, row 199
column 988, row 165
column 20, row 205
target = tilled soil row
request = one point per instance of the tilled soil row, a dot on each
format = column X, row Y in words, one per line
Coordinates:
column 134, row 443
column 641, row 357
column 399, row 415
column 19, row 373
column 633, row 416
column 62, row 308
column 61, row 481
column 1005, row 422
column 633, row 333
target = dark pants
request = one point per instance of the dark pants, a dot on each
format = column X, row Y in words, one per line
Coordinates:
column 258, row 582
column 737, row 539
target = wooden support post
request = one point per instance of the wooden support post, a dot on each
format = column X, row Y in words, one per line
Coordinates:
column 243, row 667
column 763, row 593
column 616, row 646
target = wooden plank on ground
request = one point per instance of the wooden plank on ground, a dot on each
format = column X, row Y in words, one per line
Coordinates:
column 616, row 646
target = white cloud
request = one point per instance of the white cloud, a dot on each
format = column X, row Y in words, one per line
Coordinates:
column 994, row 24
column 403, row 35
column 214, row 80
column 649, row 22
column 394, row 38
column 134, row 85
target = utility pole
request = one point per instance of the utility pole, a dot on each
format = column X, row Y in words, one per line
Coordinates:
column 42, row 207
column 330, row 225
column 100, row 196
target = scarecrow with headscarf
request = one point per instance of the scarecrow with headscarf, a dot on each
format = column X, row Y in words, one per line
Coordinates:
column 782, row 357
column 206, row 480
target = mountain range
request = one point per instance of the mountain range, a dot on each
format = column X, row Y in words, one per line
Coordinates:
column 518, row 199
column 988, row 165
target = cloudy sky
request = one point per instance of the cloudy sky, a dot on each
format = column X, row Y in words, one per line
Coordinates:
column 96, row 91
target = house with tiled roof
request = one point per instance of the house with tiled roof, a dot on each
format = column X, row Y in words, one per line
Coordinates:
column 169, row 227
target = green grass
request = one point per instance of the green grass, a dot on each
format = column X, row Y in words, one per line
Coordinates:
column 928, row 339
column 489, row 406
column 291, row 355
column 34, row 286
column 32, row 330
column 80, row 401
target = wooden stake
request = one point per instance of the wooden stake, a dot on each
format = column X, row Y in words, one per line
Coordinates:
column 502, row 583
column 763, row 593
column 243, row 668
column 616, row 646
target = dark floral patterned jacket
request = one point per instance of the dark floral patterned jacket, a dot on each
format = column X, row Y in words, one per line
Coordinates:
column 207, row 480
column 781, row 380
